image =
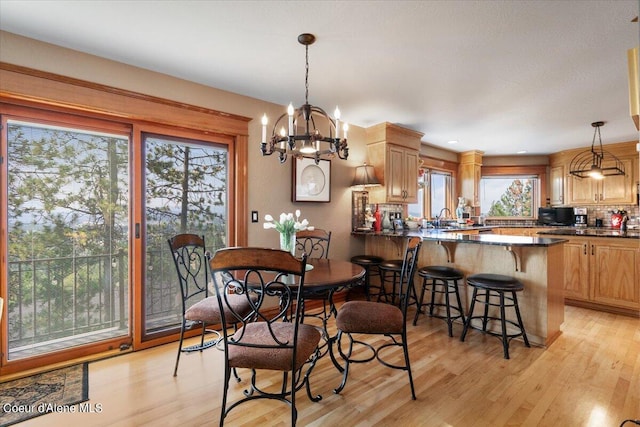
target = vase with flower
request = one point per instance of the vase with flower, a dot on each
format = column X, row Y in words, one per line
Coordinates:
column 617, row 217
column 287, row 226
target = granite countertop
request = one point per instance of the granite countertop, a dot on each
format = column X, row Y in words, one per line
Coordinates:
column 482, row 239
column 594, row 232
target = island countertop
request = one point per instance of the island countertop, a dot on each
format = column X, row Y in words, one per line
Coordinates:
column 482, row 239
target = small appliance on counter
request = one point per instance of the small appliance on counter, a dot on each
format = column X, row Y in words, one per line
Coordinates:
column 580, row 215
column 556, row 216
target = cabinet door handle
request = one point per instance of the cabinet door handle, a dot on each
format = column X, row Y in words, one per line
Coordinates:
column 585, row 248
column 592, row 252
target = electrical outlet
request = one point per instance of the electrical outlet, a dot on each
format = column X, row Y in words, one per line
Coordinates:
column 254, row 216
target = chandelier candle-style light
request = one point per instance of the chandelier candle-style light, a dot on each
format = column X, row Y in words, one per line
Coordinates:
column 595, row 163
column 312, row 142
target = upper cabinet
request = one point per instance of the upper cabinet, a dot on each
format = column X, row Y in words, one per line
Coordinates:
column 616, row 189
column 612, row 190
column 394, row 152
column 470, row 174
column 556, row 176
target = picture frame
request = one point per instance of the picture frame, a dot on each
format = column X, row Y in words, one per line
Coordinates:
column 311, row 182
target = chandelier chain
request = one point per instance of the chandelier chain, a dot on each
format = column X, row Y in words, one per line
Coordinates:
column 306, row 75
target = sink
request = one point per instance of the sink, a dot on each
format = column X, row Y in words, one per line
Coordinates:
column 437, row 229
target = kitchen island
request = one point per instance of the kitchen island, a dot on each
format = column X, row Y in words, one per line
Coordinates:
column 537, row 262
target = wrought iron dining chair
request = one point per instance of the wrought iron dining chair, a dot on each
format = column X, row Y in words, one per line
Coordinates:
column 266, row 338
column 199, row 308
column 357, row 318
column 315, row 244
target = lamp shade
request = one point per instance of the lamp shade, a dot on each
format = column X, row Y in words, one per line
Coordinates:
column 365, row 176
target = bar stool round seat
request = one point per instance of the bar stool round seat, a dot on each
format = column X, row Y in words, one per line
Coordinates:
column 486, row 288
column 441, row 280
column 370, row 263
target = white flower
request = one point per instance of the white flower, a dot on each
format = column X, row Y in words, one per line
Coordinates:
column 287, row 224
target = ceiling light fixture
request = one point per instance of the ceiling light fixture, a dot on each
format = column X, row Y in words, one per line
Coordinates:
column 596, row 163
column 285, row 142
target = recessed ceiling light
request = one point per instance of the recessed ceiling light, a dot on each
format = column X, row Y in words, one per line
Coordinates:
column 453, row 141
column 521, row 152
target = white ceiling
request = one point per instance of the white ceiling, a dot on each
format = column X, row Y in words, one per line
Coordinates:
column 498, row 76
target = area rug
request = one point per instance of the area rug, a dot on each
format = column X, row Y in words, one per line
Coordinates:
column 53, row 391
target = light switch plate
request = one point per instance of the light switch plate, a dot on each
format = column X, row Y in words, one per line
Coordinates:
column 254, row 216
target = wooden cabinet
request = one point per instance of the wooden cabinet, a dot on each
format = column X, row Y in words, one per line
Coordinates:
column 614, row 280
column 470, row 174
column 556, row 176
column 401, row 175
column 612, row 189
column 394, row 153
column 616, row 189
column 604, row 273
column 576, row 269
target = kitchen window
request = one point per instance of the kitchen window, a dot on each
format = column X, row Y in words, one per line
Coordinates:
column 434, row 193
column 511, row 192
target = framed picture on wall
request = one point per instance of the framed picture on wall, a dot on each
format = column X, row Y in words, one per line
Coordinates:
column 311, row 182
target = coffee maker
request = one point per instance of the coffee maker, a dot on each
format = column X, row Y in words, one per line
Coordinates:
column 580, row 215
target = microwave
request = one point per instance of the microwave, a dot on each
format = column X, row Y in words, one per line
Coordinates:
column 555, row 216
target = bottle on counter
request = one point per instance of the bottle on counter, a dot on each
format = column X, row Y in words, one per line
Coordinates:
column 377, row 225
column 623, row 223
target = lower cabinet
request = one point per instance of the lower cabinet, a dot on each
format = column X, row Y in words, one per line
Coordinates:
column 603, row 272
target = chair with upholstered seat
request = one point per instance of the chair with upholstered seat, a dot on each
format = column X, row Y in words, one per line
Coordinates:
column 377, row 318
column 266, row 338
column 198, row 307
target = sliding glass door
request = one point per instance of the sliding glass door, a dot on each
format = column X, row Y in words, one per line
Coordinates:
column 67, row 235
column 186, row 191
column 85, row 266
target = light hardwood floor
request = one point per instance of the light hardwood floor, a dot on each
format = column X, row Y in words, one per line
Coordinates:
column 589, row 377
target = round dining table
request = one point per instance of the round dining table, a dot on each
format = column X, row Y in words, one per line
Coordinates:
column 331, row 275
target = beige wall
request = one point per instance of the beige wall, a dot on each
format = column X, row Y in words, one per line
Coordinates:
column 269, row 182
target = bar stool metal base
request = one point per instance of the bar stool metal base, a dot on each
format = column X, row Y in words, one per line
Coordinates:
column 394, row 268
column 371, row 264
column 486, row 287
column 443, row 281
column 388, row 268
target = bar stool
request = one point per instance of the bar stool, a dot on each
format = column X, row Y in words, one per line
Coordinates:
column 504, row 288
column 389, row 268
column 441, row 280
column 371, row 264
column 393, row 268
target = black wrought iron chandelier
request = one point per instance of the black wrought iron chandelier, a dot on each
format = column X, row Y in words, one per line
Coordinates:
column 312, row 142
column 596, row 163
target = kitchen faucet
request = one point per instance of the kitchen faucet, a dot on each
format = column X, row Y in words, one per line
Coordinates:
column 440, row 215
